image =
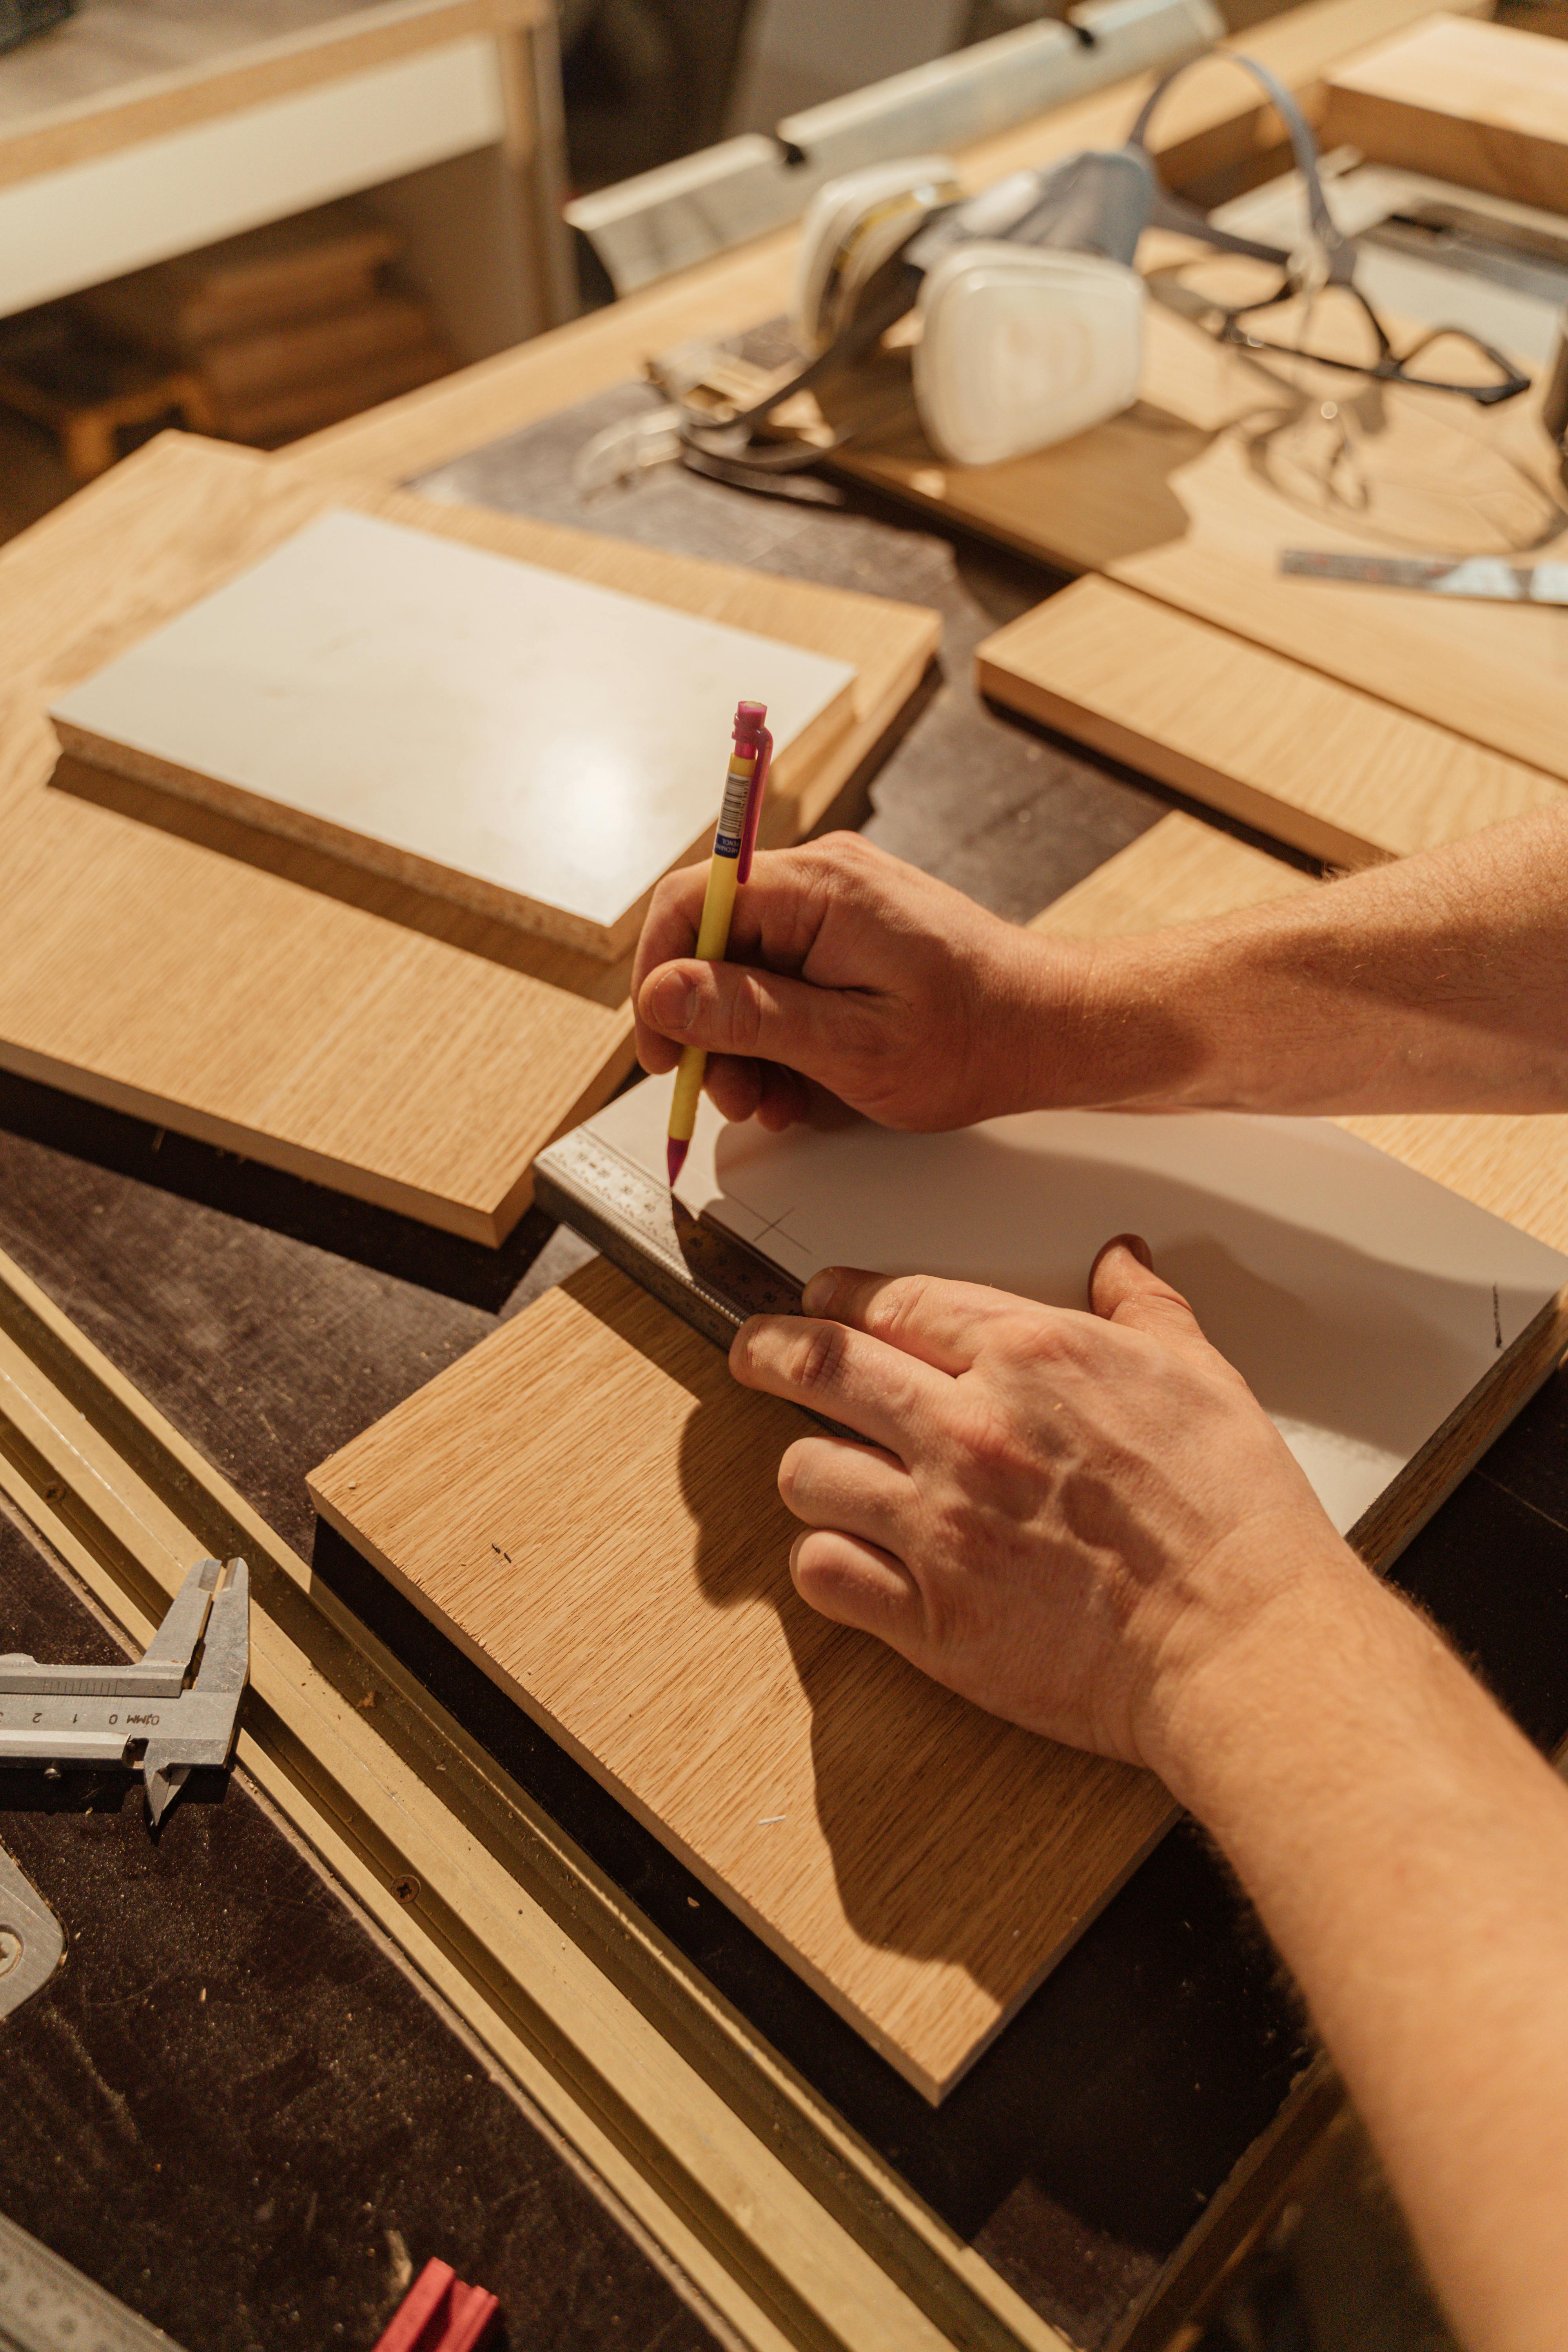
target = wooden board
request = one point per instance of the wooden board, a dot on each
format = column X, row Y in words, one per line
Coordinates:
column 540, row 749
column 1328, row 769
column 254, row 292
column 126, row 70
column 1486, row 105
column 305, row 1015
column 1194, row 492
column 586, row 1504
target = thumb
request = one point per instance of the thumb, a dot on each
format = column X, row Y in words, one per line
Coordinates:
column 731, row 1008
column 1124, row 1288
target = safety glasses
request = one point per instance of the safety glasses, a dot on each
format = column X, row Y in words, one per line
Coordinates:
column 1433, row 363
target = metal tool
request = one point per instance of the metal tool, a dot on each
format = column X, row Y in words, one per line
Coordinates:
column 706, row 1275
column 710, row 1279
column 173, row 1710
column 48, row 2306
column 32, row 1941
column 1489, row 576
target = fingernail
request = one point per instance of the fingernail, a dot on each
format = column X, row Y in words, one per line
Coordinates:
column 671, row 1001
column 820, row 1292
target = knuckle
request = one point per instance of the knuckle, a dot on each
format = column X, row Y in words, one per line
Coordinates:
column 747, row 1347
column 897, row 1306
column 744, row 1025
column 792, row 1470
column 1043, row 1339
column 854, row 851
column 820, row 1357
column 990, row 1440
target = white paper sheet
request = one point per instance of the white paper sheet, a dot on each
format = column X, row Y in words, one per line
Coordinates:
column 542, row 734
column 1361, row 1301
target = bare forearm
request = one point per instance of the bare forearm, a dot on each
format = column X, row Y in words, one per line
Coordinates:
column 1408, row 1851
column 1439, row 982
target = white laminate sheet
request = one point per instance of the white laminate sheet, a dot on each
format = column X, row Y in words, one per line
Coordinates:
column 542, row 736
column 1361, row 1301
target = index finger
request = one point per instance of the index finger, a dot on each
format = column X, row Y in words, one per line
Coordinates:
column 946, row 1324
column 875, row 1390
column 779, row 912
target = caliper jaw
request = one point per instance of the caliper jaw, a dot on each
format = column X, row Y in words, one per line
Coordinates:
column 204, row 1715
column 164, row 1715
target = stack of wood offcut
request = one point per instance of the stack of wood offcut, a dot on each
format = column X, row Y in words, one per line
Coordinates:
column 285, row 329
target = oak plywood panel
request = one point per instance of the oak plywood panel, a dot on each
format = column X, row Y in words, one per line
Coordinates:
column 1225, row 461
column 1486, row 105
column 1180, row 871
column 588, row 1503
column 1328, row 769
column 318, row 1019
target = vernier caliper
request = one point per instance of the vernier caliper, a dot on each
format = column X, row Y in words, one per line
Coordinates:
column 175, row 1708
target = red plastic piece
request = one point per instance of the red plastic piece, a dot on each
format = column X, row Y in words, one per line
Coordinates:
column 439, row 2314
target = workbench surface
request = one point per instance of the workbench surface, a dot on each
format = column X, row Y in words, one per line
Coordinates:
column 270, row 1321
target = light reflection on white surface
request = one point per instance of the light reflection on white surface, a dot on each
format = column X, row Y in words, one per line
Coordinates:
column 520, row 726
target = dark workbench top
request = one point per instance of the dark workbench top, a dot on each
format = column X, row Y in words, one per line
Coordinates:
column 270, row 1321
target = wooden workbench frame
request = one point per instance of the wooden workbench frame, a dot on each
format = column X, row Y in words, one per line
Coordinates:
column 158, row 106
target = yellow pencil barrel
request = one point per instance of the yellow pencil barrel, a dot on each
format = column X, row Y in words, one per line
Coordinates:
column 713, row 938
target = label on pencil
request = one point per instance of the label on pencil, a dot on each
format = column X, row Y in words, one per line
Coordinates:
column 733, row 815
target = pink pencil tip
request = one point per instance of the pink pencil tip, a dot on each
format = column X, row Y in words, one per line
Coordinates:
column 675, row 1159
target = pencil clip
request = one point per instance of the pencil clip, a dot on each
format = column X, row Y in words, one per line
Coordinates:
column 754, row 802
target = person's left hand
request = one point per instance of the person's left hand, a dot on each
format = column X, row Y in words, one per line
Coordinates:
column 1077, row 1520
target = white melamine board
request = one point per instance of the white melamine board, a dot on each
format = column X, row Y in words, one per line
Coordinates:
column 550, row 739
column 1361, row 1301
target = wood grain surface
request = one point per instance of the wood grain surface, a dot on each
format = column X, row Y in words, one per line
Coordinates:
column 1486, row 105
column 586, row 1504
column 1333, row 771
column 1225, row 460
column 289, row 1008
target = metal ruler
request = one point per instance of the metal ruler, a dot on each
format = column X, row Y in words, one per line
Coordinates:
column 706, row 1275
column 1490, row 577
column 48, row 2306
column 710, row 1279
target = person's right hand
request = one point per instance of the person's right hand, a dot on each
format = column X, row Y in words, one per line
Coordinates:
column 849, row 971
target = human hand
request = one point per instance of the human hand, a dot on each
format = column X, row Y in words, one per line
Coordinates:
column 1077, row 1520
column 851, row 972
